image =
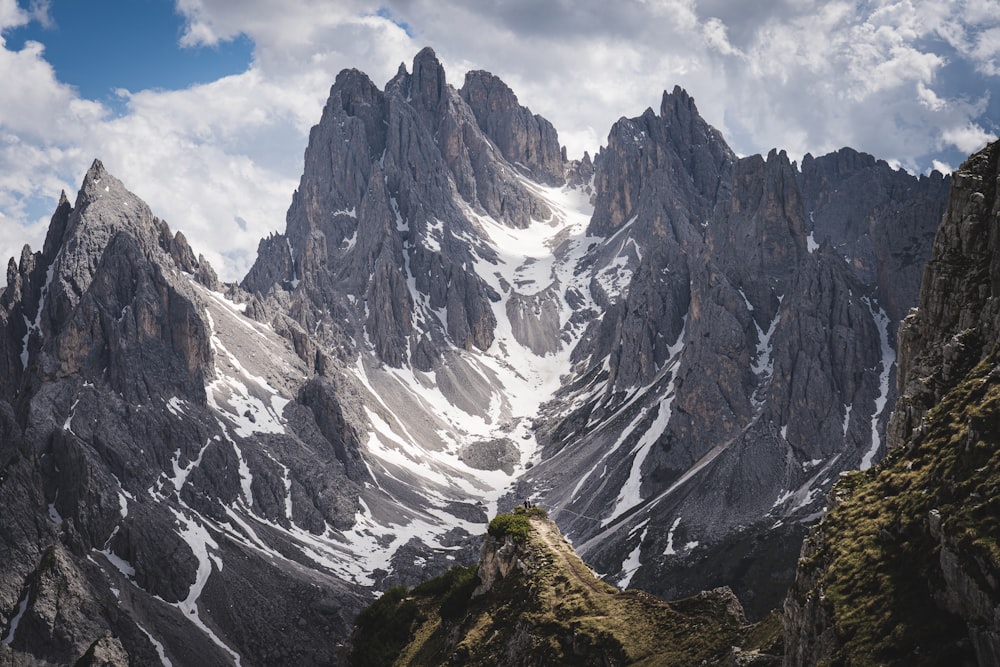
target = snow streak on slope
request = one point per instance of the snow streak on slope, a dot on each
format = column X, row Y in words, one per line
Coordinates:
column 631, row 562
column 629, row 496
column 199, row 540
column 419, row 426
column 15, row 621
column 424, row 424
column 888, row 359
column 35, row 326
column 532, row 260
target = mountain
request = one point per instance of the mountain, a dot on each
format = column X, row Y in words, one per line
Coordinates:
column 743, row 357
column 169, row 469
column 684, row 348
column 904, row 568
column 532, row 601
column 673, row 349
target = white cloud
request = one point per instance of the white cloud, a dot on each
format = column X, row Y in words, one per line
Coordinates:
column 943, row 167
column 11, row 15
column 966, row 138
column 716, row 36
column 804, row 75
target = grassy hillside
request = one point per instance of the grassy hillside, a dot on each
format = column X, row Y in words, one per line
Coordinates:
column 550, row 609
column 877, row 556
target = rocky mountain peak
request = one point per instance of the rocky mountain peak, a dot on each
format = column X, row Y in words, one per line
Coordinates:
column 428, row 92
column 678, row 142
column 678, row 105
column 526, row 140
column 57, row 228
column 136, row 435
column 375, row 209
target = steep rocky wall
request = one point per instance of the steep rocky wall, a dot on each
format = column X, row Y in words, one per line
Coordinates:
column 745, row 352
column 904, row 568
column 525, row 139
column 956, row 321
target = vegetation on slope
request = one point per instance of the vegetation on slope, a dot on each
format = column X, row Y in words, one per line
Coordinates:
column 876, row 556
column 515, row 523
column 550, row 609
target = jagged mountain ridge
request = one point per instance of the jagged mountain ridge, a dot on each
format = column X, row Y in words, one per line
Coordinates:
column 681, row 238
column 150, row 471
column 737, row 339
column 435, row 287
column 671, row 178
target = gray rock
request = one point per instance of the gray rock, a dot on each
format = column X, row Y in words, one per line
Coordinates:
column 525, row 139
column 497, row 454
column 746, row 362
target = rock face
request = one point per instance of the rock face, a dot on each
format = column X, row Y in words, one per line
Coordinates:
column 526, row 140
column 953, row 327
column 902, row 570
column 673, row 349
column 740, row 364
column 376, row 209
column 149, row 471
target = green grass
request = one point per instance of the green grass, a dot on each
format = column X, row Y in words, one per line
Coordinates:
column 516, row 523
column 383, row 629
column 879, row 564
column 554, row 610
column 453, row 590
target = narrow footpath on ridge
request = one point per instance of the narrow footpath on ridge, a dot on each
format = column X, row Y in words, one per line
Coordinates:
column 553, row 539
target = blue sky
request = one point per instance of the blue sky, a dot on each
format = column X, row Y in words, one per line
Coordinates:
column 203, row 107
column 100, row 46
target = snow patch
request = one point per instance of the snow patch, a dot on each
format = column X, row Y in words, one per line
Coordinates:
column 54, row 515
column 631, row 563
column 763, row 365
column 120, row 563
column 888, row 359
column 181, row 474
column 669, row 551
column 809, row 465
column 35, row 326
column 811, row 243
column 156, row 644
column 21, row 608
column 68, row 424
column 176, row 407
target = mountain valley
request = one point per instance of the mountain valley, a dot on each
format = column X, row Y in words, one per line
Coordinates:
column 674, row 350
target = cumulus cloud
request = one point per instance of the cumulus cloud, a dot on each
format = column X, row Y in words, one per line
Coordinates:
column 220, row 160
column 966, row 138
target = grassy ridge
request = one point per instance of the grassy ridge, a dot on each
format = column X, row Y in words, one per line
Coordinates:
column 879, row 563
column 553, row 609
